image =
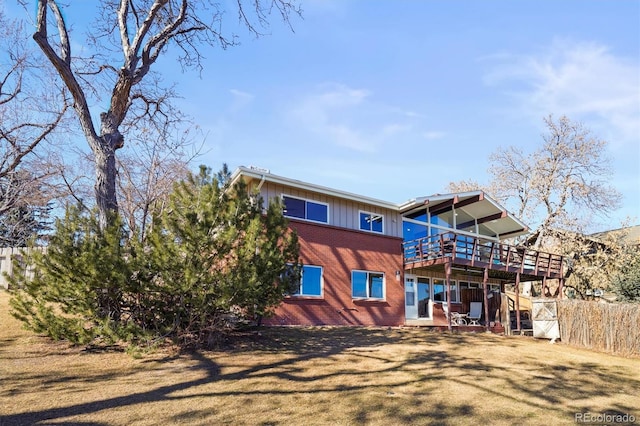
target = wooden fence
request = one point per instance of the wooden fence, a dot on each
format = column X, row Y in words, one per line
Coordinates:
column 609, row 327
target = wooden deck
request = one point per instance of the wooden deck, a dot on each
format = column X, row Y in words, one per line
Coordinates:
column 477, row 253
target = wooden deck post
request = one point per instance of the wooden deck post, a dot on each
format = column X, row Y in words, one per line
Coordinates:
column 518, row 328
column 560, row 287
column 485, row 283
column 447, row 272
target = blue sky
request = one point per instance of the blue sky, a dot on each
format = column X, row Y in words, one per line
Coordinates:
column 394, row 100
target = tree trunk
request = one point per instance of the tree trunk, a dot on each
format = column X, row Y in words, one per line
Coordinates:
column 105, row 187
column 105, row 162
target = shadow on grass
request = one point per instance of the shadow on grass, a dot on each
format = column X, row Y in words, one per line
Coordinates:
column 302, row 343
column 543, row 387
column 205, row 365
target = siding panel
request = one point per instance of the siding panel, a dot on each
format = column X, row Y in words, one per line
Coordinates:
column 343, row 213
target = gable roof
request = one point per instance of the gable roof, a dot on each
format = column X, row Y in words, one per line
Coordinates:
column 476, row 204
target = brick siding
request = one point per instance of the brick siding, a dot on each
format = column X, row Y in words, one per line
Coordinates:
column 339, row 251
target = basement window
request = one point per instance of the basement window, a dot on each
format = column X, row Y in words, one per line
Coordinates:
column 310, row 282
column 367, row 285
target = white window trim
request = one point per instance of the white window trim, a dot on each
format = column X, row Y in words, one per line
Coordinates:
column 315, row 296
column 371, row 214
column 368, row 297
column 453, row 284
column 307, row 200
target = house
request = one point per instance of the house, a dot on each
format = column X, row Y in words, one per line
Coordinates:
column 373, row 262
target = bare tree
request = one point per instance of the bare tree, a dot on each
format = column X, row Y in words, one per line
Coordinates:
column 465, row 186
column 593, row 261
column 142, row 30
column 30, row 109
column 562, row 184
column 146, row 179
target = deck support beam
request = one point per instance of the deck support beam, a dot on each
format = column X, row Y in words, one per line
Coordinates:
column 560, row 288
column 485, row 283
column 518, row 327
column 447, row 273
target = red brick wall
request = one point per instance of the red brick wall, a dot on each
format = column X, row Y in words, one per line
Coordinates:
column 339, row 251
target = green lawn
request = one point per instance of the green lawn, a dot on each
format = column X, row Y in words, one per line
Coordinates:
column 336, row 376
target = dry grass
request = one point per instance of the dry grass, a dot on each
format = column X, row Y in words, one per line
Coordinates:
column 314, row 376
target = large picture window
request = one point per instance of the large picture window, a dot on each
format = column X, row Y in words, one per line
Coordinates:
column 305, row 209
column 310, row 282
column 371, row 222
column 367, row 285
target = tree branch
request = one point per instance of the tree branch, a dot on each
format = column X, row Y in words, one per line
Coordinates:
column 63, row 67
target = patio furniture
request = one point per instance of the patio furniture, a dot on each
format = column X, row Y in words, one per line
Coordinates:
column 456, row 317
column 475, row 312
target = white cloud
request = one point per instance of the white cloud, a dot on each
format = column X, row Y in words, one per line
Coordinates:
column 340, row 96
column 240, row 99
column 395, row 129
column 334, row 113
column 433, row 135
column 584, row 81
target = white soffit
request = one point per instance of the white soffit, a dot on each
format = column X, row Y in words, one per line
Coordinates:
column 477, row 205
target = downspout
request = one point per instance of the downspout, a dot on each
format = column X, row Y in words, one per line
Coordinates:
column 261, row 182
column 258, row 191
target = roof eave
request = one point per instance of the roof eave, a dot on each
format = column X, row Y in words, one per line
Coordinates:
column 281, row 180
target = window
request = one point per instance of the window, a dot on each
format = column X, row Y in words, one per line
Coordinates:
column 413, row 231
column 304, row 209
column 371, row 222
column 455, row 295
column 310, row 282
column 367, row 285
column 439, row 290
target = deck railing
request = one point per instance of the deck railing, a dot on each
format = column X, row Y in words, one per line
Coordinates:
column 479, row 252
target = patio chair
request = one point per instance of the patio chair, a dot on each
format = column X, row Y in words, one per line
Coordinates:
column 475, row 312
column 456, row 317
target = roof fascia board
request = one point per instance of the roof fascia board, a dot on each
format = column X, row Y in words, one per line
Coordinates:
column 456, row 202
column 443, row 206
column 425, row 201
column 268, row 177
column 515, row 233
